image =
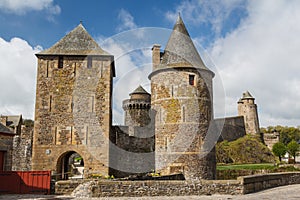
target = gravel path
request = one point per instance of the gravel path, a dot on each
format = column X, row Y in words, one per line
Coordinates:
column 290, row 192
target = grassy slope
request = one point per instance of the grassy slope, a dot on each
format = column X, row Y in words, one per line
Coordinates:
column 244, row 150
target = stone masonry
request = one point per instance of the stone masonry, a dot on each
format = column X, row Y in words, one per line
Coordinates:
column 169, row 131
column 22, row 149
column 248, row 109
column 181, row 88
column 73, row 104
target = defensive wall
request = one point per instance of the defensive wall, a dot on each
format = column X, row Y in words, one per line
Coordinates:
column 233, row 128
column 111, row 188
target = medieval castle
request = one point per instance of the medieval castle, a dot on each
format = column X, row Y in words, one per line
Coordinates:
column 172, row 130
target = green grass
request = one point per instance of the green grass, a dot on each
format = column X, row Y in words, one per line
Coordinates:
column 247, row 166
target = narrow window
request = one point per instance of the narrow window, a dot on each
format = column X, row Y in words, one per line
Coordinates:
column 89, row 62
column 192, row 79
column 93, row 101
column 101, row 69
column 60, row 62
column 72, row 104
column 50, row 103
column 172, row 91
column 86, row 134
column 74, row 70
column 55, row 135
column 183, row 114
column 47, row 70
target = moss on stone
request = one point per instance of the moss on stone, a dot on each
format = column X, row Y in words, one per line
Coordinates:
column 248, row 149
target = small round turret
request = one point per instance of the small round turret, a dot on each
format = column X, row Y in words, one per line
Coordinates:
column 137, row 108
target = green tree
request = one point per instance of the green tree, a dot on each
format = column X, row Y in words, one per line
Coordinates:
column 293, row 148
column 279, row 149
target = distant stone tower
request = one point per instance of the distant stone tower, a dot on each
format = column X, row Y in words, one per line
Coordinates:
column 73, row 105
column 137, row 108
column 248, row 109
column 181, row 96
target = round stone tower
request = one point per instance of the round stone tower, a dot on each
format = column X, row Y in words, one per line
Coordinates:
column 248, row 109
column 137, row 108
column 181, row 96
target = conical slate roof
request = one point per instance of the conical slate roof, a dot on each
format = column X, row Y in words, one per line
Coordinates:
column 76, row 42
column 247, row 95
column 180, row 49
column 139, row 90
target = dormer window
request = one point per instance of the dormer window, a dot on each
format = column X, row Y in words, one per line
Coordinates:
column 192, row 79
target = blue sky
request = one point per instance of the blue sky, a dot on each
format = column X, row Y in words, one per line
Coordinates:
column 44, row 27
column 252, row 45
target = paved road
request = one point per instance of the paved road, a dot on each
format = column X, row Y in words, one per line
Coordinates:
column 290, row 192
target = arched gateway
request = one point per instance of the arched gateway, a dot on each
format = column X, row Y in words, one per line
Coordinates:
column 70, row 165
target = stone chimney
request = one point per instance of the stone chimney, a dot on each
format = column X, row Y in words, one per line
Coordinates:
column 3, row 120
column 155, row 56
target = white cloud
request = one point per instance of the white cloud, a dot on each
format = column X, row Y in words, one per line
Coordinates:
column 126, row 21
column 130, row 71
column 262, row 56
column 213, row 12
column 133, row 62
column 24, row 6
column 17, row 77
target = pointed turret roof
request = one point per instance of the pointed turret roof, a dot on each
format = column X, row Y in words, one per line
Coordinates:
column 180, row 49
column 247, row 95
column 76, row 42
column 139, row 90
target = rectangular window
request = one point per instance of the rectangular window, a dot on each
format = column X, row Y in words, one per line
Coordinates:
column 192, row 79
column 47, row 70
column 50, row 103
column 60, row 62
column 89, row 62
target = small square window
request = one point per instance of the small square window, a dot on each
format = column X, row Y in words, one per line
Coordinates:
column 192, row 79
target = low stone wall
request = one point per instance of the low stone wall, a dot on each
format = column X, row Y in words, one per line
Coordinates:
column 68, row 186
column 257, row 183
column 111, row 188
column 106, row 188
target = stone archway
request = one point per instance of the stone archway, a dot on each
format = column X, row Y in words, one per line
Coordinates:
column 70, row 165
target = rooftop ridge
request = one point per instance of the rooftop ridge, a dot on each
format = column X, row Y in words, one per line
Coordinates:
column 76, row 42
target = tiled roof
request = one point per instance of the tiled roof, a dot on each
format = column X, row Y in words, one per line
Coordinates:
column 4, row 129
column 76, row 42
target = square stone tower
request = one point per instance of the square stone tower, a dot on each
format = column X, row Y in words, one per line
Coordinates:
column 73, row 111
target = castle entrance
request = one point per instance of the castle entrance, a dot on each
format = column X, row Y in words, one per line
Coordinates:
column 70, row 165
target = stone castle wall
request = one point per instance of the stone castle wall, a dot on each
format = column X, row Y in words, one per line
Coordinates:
column 22, row 150
column 183, row 114
column 270, row 139
column 233, row 128
column 6, row 146
column 132, row 155
column 72, row 112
